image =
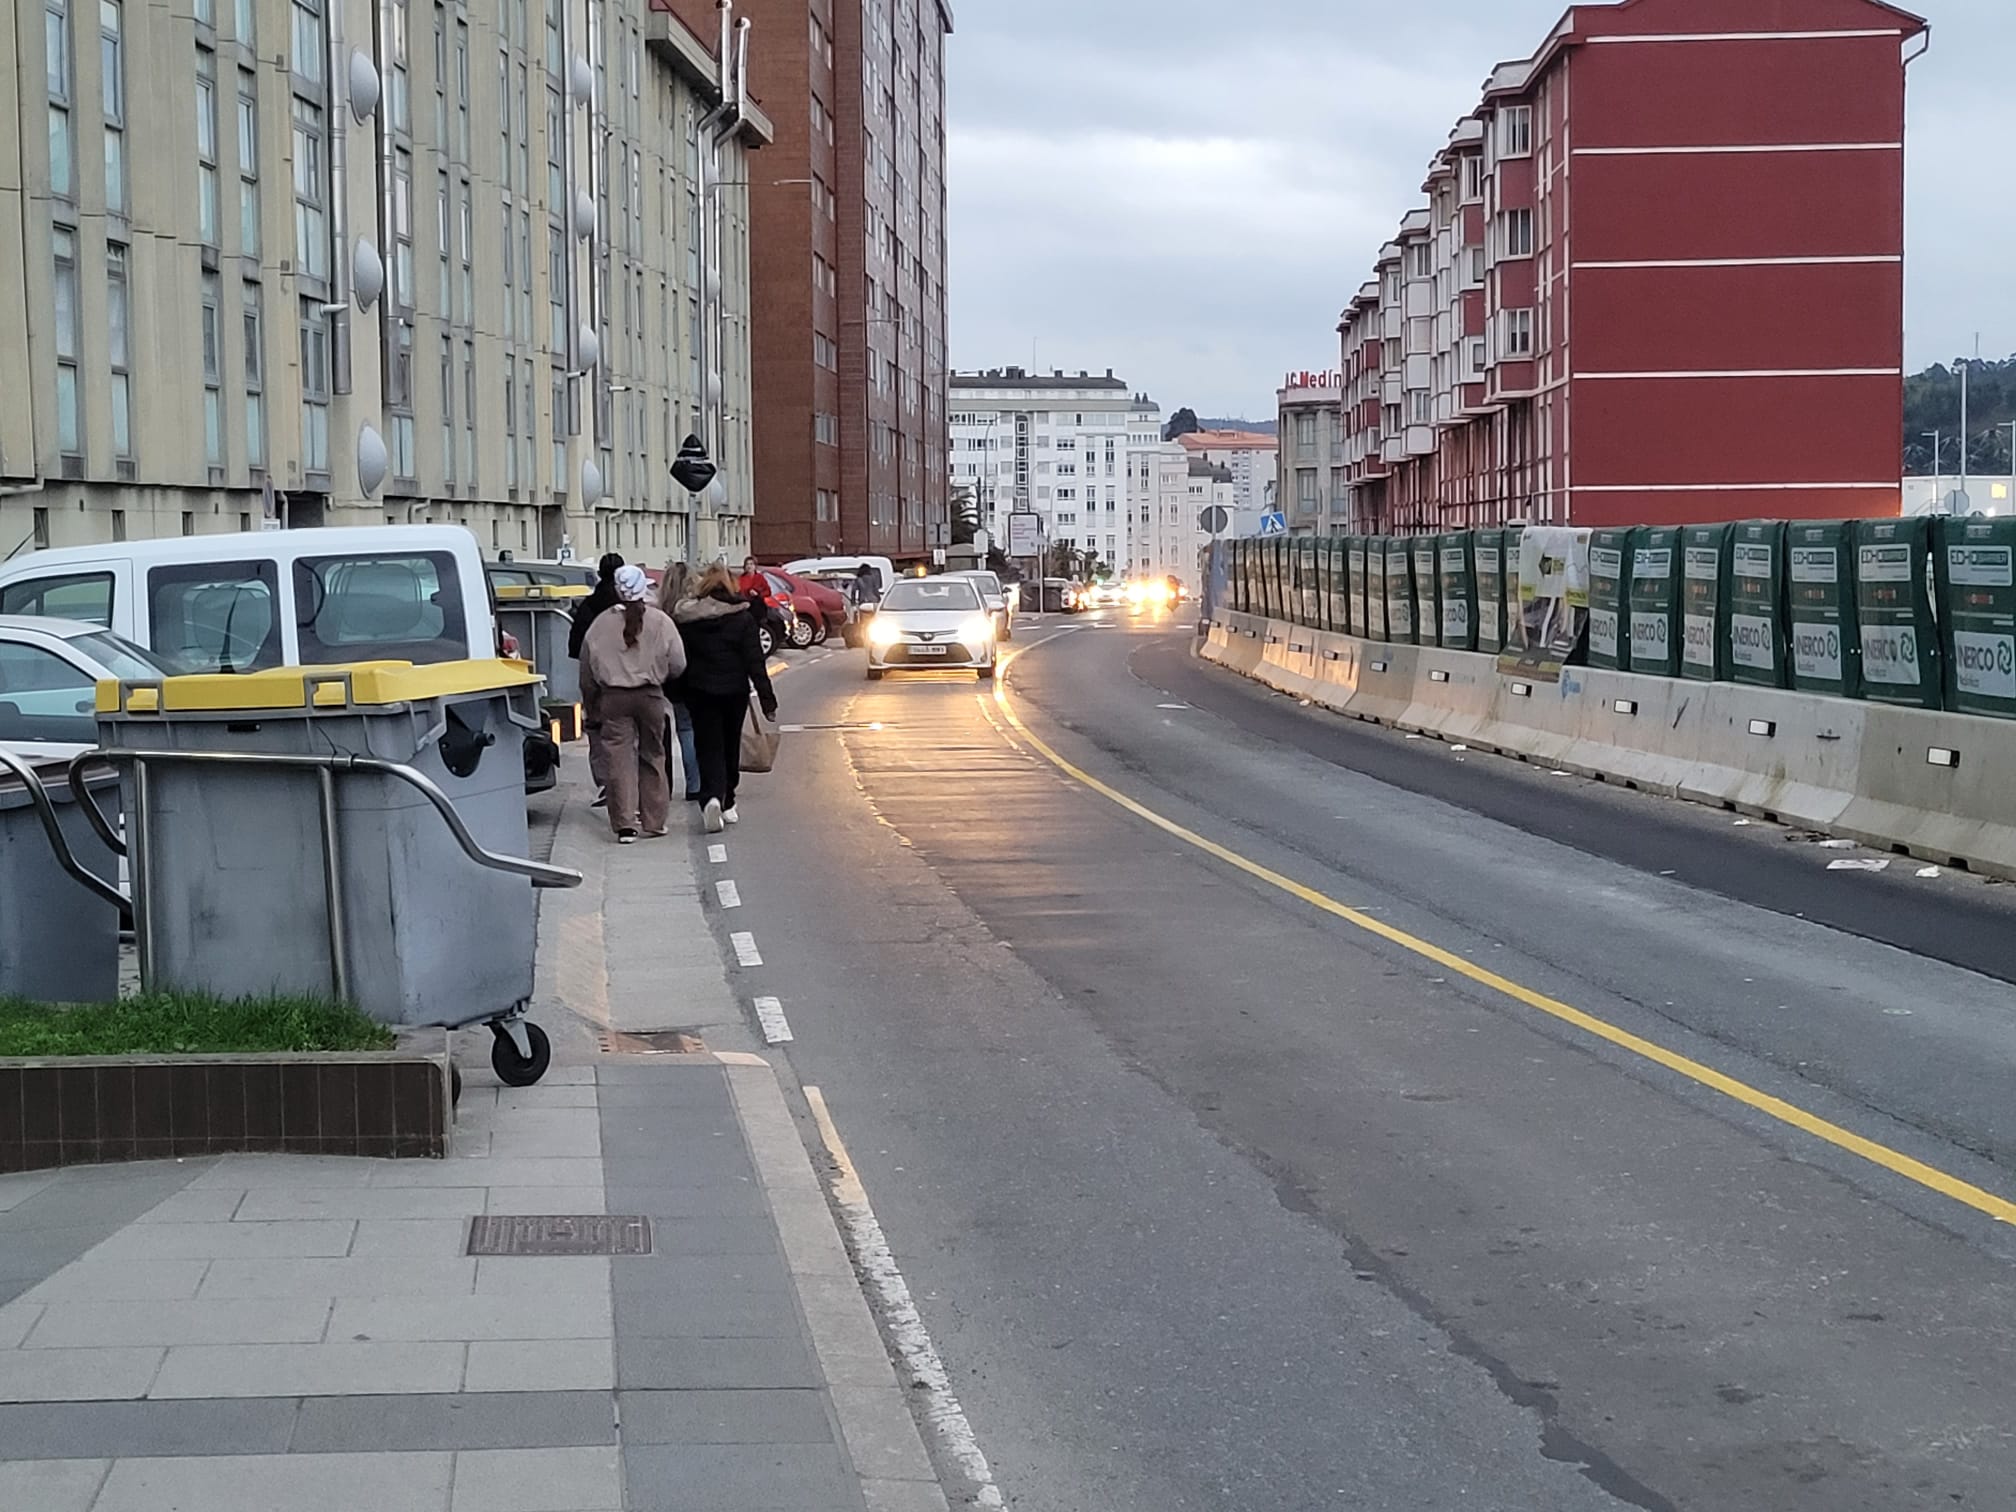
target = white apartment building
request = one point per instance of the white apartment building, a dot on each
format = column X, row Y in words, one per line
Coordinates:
column 363, row 261
column 1253, row 457
column 1168, row 491
column 1056, row 445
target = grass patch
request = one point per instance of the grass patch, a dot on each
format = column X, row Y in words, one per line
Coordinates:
column 181, row 1023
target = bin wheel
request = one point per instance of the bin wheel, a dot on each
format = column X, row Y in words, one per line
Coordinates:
column 511, row 1069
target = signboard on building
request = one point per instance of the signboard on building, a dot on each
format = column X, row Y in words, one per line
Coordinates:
column 1025, row 535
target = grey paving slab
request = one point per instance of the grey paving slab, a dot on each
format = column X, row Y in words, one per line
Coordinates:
column 538, row 1480
column 570, row 1315
column 434, row 1237
column 731, row 1198
column 714, row 1364
column 540, row 1365
column 294, row 1172
column 100, row 1325
column 687, row 1237
column 467, row 1420
column 128, row 1430
column 542, row 1275
column 50, row 1222
column 341, row 1276
column 76, row 1375
column 742, row 1477
column 16, row 1319
column 302, row 1239
column 271, row 1204
column 209, row 1205
column 123, row 1280
column 725, row 1417
column 337, row 1369
column 51, row 1485
column 18, row 1186
column 293, row 1482
column 879, row 1432
column 576, row 1171
column 684, row 1315
column 721, row 1275
column 692, row 1083
column 545, row 1199
column 902, row 1495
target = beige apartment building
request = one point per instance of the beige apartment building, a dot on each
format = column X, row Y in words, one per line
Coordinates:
column 309, row 262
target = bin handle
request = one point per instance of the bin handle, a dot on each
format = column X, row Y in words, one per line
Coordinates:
column 540, row 873
column 38, row 797
column 80, row 793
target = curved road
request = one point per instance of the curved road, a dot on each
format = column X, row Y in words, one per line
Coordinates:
column 1215, row 1070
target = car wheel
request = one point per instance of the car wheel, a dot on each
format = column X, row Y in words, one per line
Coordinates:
column 798, row 632
column 874, row 674
column 987, row 673
column 766, row 639
column 821, row 631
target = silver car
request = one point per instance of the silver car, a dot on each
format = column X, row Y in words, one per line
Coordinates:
column 928, row 624
column 1000, row 603
column 49, row 675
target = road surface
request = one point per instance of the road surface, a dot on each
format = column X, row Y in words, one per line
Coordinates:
column 1268, row 1112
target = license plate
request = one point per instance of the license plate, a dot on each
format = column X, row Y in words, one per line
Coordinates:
column 928, row 650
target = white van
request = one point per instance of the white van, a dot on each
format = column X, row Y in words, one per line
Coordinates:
column 828, row 568
column 239, row 603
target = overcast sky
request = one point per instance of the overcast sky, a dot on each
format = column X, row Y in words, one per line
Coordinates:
column 1188, row 192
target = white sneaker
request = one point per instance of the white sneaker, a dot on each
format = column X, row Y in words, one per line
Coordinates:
column 730, row 816
column 711, row 816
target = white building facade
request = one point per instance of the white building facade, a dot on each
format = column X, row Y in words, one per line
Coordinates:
column 1252, row 457
column 372, row 261
column 1055, row 445
column 1168, row 492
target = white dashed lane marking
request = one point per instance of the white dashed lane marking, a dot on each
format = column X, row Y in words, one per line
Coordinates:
column 746, row 953
column 770, row 1014
column 718, row 854
column 729, row 894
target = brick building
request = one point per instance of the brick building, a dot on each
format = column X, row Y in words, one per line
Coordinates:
column 847, row 245
column 1680, row 299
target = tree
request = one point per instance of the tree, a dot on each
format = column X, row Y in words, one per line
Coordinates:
column 965, row 516
column 1182, row 423
column 1932, row 403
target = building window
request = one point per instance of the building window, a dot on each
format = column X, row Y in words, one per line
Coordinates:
column 248, row 162
column 56, row 56
column 1515, row 131
column 1473, row 179
column 448, row 408
column 69, row 401
column 211, row 320
column 206, row 145
column 243, row 25
column 559, row 431
column 112, row 86
column 1475, row 354
column 398, row 100
column 255, row 377
column 465, row 230
column 556, row 179
column 118, row 349
column 314, row 388
column 1516, row 339
column 311, row 231
column 527, row 422
column 403, row 283
column 306, row 54
column 462, row 92
column 443, row 218
column 556, row 291
column 510, row 424
column 1476, row 263
column 1515, row 233
column 1305, row 432
column 469, row 411
column 1420, row 260
column 1420, row 407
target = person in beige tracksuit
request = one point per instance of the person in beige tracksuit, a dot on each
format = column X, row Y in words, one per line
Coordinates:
column 628, row 655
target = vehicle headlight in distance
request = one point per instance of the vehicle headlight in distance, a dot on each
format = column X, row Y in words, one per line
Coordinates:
column 883, row 631
column 977, row 631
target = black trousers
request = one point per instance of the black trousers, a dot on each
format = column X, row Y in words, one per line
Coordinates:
column 717, row 742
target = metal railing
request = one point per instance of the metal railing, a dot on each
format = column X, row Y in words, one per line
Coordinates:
column 52, row 826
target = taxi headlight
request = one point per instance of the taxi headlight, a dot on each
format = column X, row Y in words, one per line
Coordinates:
column 977, row 631
column 884, row 632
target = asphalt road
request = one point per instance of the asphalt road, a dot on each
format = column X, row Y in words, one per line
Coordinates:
column 1215, row 1200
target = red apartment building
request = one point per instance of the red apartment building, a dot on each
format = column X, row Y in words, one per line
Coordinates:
column 1659, row 279
column 847, row 266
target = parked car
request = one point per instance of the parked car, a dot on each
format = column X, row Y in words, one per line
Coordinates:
column 49, row 675
column 843, row 574
column 1061, row 596
column 1000, row 603
column 822, row 606
column 930, row 624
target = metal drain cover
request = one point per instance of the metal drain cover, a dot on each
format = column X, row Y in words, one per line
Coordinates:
column 652, row 1042
column 559, row 1234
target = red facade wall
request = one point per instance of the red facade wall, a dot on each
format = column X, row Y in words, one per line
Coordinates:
column 1736, row 430
column 1742, row 318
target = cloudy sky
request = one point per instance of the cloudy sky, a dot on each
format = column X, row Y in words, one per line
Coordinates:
column 1187, row 192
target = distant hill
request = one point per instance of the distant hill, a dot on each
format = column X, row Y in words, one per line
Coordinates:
column 1932, row 402
column 1258, row 427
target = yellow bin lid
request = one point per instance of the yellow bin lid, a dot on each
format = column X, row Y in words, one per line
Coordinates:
column 369, row 684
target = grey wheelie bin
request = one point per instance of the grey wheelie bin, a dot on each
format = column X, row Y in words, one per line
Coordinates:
column 351, row 832
column 59, row 909
column 540, row 616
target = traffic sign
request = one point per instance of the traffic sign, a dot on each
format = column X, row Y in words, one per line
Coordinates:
column 1213, row 518
column 1273, row 524
column 1025, row 534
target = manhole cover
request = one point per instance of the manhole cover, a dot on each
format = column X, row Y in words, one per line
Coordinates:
column 652, row 1042
column 559, row 1234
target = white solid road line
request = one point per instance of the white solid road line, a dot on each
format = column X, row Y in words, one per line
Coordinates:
column 729, row 894
column 941, row 1409
column 718, row 854
column 746, row 953
column 770, row 1015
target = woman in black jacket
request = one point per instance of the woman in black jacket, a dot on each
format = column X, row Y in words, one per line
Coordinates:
column 723, row 660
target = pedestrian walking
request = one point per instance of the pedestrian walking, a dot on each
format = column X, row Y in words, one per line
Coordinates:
column 724, row 659
column 601, row 597
column 628, row 655
column 675, row 585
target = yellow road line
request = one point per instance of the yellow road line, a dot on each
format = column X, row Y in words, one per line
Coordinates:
column 1894, row 1161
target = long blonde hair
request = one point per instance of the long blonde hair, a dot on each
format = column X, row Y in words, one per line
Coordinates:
column 716, row 576
column 674, row 585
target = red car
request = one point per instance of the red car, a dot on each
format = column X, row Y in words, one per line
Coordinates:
column 822, row 606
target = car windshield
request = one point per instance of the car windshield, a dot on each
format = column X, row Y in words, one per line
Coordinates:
column 120, row 657
column 932, row 593
column 986, row 582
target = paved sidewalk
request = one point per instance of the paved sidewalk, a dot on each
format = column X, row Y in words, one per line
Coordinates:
column 279, row 1332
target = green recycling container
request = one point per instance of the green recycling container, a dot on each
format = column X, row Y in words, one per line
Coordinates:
column 1704, row 602
column 1400, row 590
column 1893, row 607
column 1825, row 647
column 1757, row 616
column 1655, row 601
column 1611, row 553
column 1425, row 553
column 1457, row 582
column 1977, row 614
column 1487, row 560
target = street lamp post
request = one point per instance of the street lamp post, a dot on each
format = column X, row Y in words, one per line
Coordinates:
column 1963, row 430
column 1938, row 476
